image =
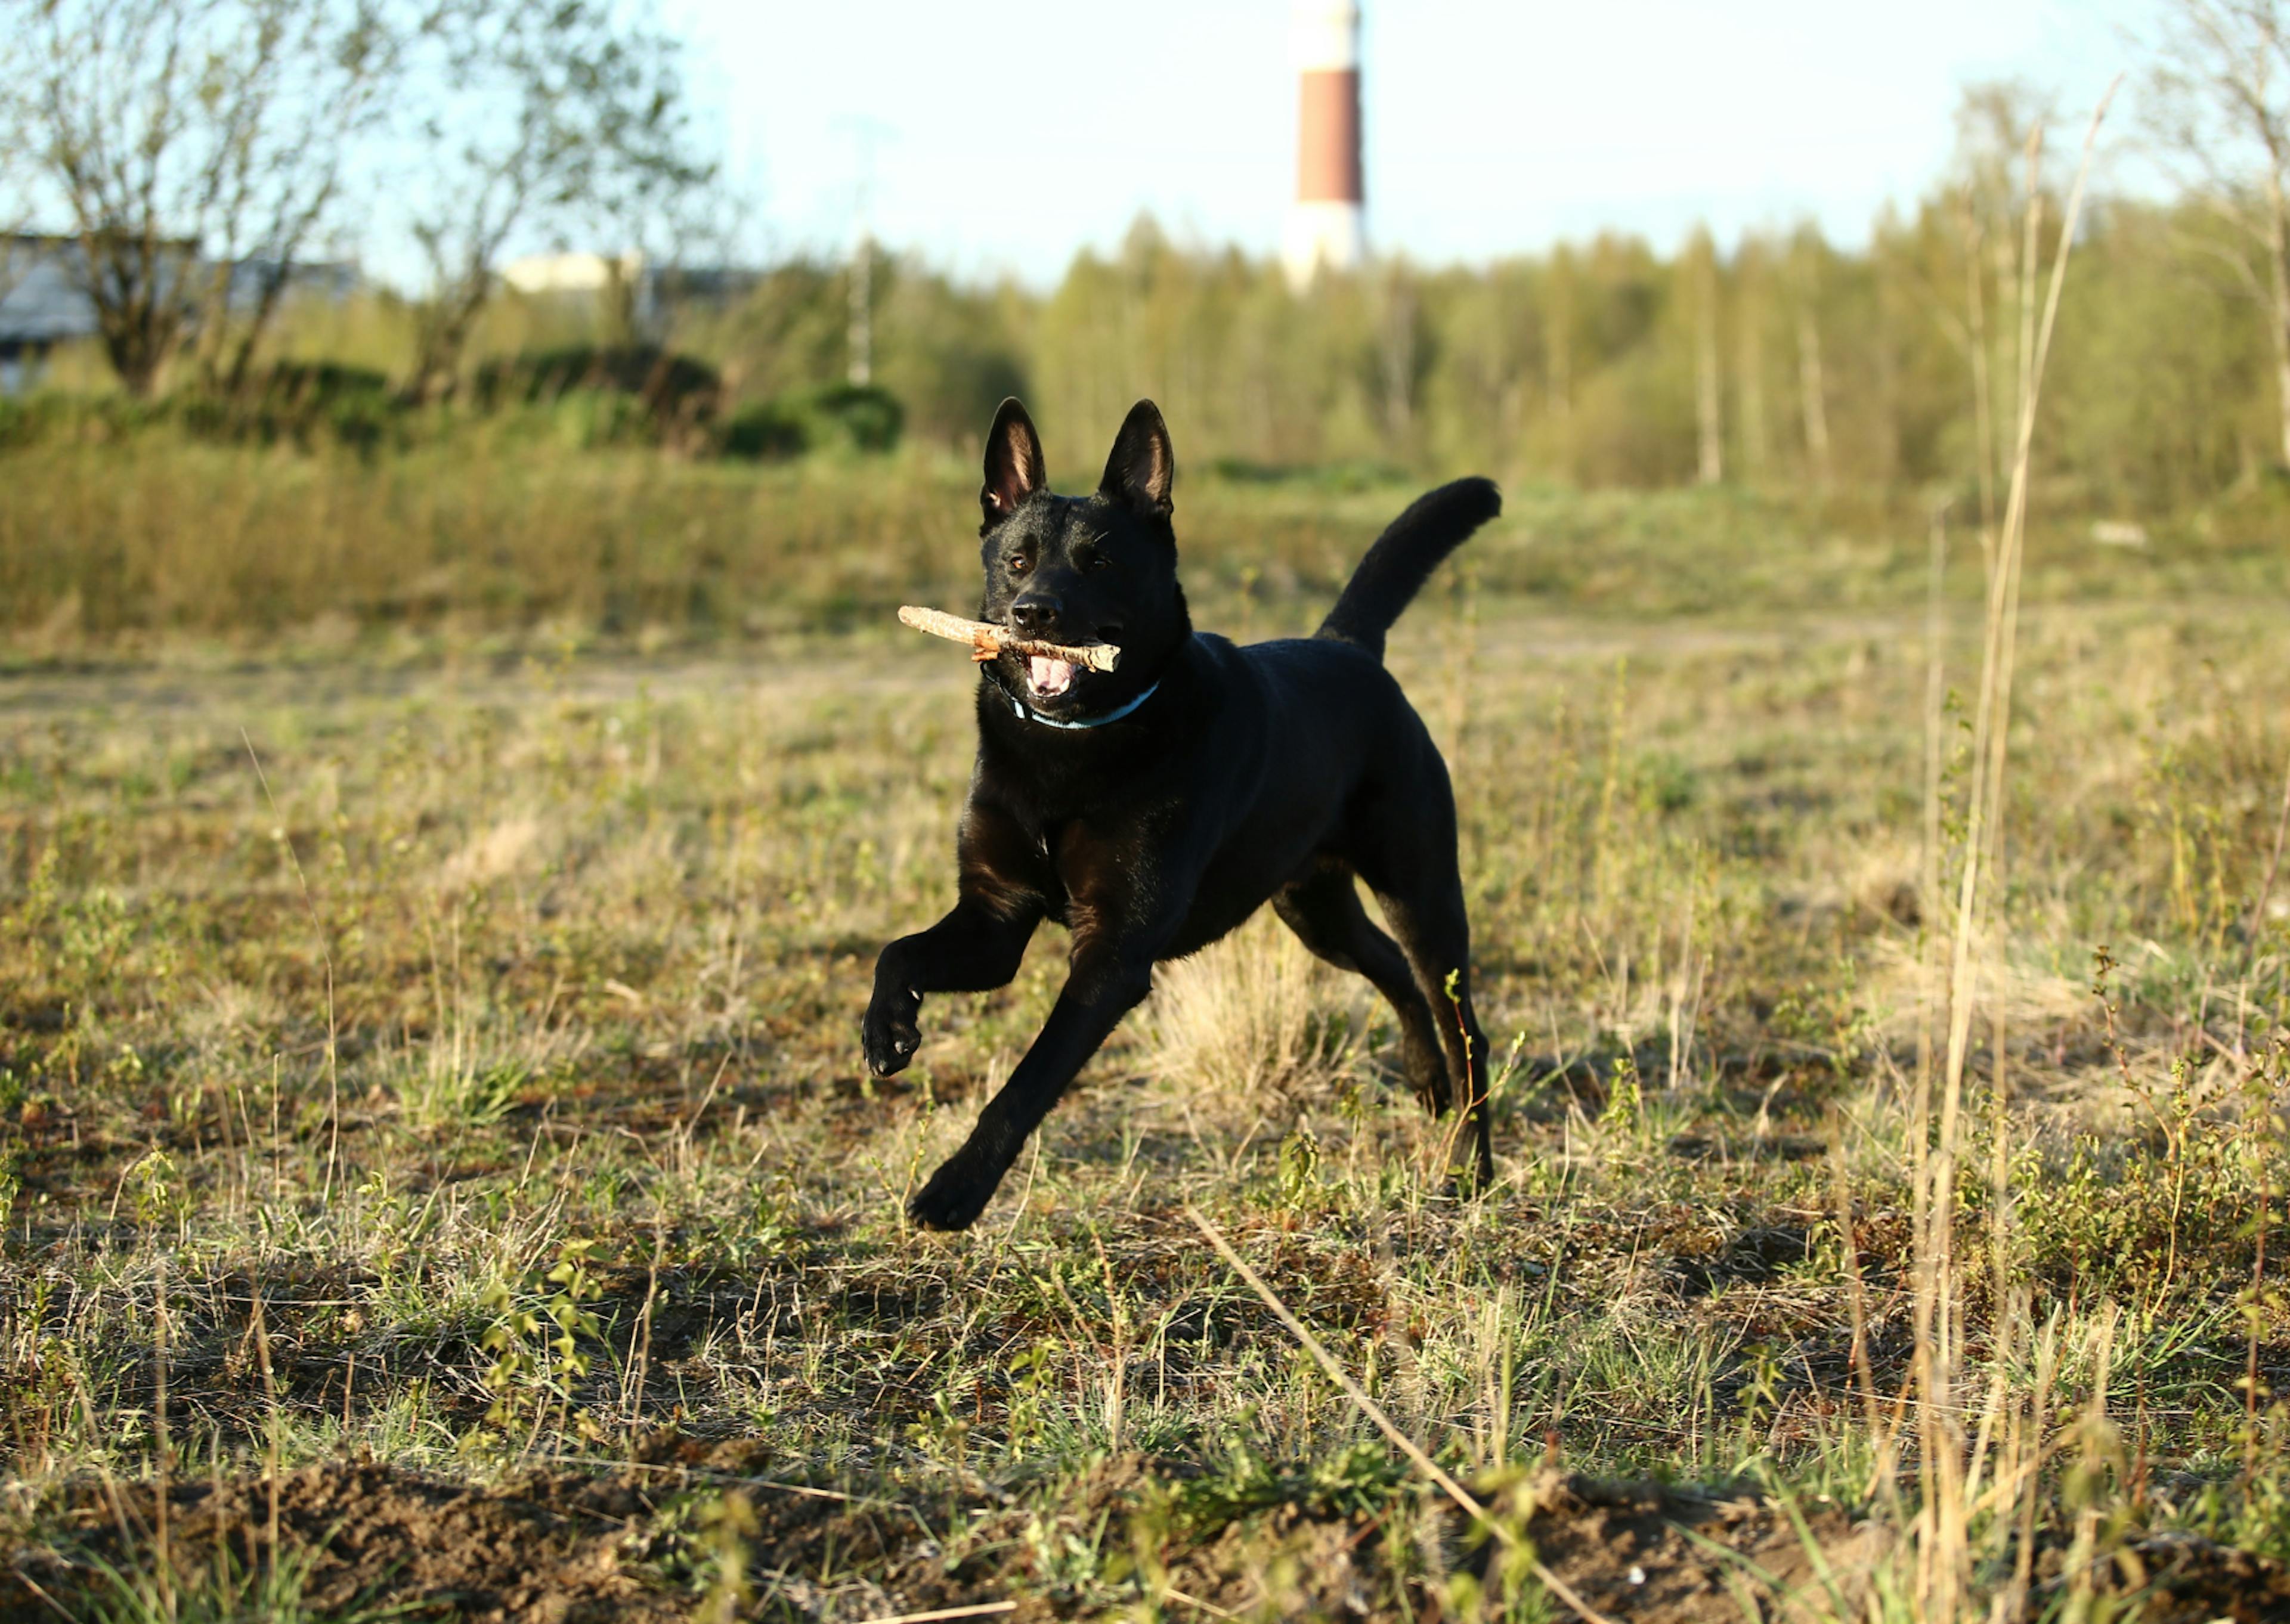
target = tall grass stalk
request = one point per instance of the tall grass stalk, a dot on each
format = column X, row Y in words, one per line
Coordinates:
column 1942, row 1531
column 1932, row 902
column 326, row 961
column 1983, row 435
column 163, row 1446
column 2273, row 866
column 1510, row 1537
column 274, row 1416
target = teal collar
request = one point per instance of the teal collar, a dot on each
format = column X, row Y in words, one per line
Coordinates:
column 1116, row 715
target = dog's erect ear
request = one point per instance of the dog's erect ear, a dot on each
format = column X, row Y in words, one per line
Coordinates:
column 1142, row 469
column 1013, row 463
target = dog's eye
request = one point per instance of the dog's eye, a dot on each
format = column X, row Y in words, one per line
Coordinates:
column 1019, row 564
column 1095, row 561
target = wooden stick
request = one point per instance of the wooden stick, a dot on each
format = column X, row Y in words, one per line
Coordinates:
column 986, row 641
column 980, row 1610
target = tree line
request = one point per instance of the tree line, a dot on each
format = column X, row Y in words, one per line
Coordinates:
column 176, row 138
column 1781, row 358
column 194, row 151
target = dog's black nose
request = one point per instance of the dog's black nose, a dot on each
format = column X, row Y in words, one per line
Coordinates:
column 1034, row 613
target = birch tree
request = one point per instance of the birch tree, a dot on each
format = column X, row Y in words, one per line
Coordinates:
column 2218, row 108
column 194, row 148
column 15, row 173
column 533, row 113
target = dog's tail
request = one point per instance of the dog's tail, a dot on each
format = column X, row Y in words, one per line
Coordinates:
column 1402, row 558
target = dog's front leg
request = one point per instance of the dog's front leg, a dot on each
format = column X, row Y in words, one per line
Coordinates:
column 977, row 946
column 1109, row 978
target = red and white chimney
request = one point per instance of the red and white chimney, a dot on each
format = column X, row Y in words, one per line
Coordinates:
column 1328, row 224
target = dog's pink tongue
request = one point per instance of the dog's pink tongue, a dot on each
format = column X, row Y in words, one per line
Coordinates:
column 1049, row 676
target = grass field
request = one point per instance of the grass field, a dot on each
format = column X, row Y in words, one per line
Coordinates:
column 442, row 1176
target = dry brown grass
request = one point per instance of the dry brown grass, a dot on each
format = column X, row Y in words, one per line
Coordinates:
column 1255, row 1015
column 599, row 930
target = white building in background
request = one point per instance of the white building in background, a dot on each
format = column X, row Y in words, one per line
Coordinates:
column 572, row 273
column 654, row 291
column 1328, row 222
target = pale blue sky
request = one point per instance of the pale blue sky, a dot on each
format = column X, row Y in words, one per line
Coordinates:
column 1011, row 132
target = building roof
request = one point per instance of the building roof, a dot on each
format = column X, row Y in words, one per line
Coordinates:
column 43, row 292
column 42, row 300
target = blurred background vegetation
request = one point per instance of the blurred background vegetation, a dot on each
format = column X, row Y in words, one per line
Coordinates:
column 1580, row 367
column 684, row 442
column 727, row 477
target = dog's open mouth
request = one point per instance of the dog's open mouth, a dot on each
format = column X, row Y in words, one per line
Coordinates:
column 1048, row 679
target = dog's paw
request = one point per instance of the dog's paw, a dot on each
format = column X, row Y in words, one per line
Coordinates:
column 889, row 1034
column 955, row 1195
column 1426, row 1071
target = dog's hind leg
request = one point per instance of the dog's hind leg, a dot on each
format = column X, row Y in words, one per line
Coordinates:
column 1324, row 911
column 1436, row 937
column 1407, row 857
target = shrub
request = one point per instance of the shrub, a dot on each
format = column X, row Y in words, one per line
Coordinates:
column 298, row 401
column 672, row 388
column 840, row 416
column 766, row 430
column 26, row 418
column 865, row 416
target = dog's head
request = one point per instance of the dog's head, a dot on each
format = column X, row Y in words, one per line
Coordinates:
column 1096, row 569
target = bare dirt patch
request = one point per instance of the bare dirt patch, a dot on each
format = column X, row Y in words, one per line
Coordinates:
column 548, row 1549
column 644, row 1542
column 1633, row 1550
column 1645, row 1552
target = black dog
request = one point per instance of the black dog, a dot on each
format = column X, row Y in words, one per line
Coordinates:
column 1152, row 809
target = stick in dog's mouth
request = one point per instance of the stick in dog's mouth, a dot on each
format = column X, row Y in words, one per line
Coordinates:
column 1050, row 666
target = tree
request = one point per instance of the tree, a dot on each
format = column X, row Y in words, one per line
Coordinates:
column 1750, row 363
column 1698, row 270
column 2219, row 104
column 15, row 208
column 196, row 146
column 1402, row 355
column 1807, row 253
column 1999, row 182
column 534, row 111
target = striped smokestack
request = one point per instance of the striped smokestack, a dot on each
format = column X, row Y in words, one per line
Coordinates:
column 1328, row 224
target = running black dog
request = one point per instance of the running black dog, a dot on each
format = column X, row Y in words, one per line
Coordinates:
column 1152, row 809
